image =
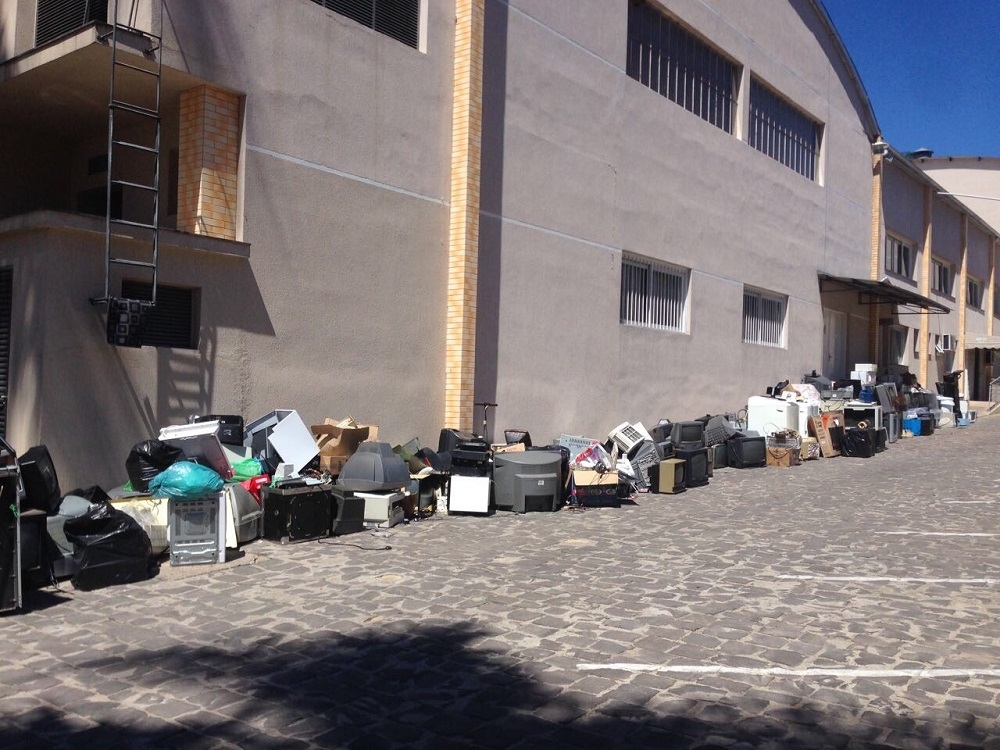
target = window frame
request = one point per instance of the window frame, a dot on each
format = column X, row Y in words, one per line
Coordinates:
column 942, row 271
column 777, row 129
column 637, row 310
column 164, row 313
column 894, row 248
column 410, row 36
column 754, row 332
column 974, row 293
column 897, row 346
column 672, row 60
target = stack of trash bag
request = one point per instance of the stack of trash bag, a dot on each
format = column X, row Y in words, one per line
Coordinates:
column 110, row 547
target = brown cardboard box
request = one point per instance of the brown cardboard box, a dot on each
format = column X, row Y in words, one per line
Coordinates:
column 783, row 457
column 513, row 448
column 338, row 441
column 596, row 490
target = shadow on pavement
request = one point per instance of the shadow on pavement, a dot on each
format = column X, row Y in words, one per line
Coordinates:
column 408, row 685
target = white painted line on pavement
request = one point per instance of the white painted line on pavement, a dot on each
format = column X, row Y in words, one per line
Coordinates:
column 784, row 672
column 891, row 579
column 934, row 533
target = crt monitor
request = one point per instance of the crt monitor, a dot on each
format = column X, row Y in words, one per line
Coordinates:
column 691, row 434
column 41, row 485
column 744, row 451
column 695, row 465
column 528, row 481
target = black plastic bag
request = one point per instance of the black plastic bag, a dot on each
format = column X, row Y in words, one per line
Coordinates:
column 110, row 548
column 147, row 459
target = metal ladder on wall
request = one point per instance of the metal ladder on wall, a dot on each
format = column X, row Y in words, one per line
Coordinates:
column 134, row 130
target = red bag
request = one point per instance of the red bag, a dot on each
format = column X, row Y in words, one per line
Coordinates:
column 253, row 486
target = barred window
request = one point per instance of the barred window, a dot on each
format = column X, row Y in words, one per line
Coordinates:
column 399, row 19
column 782, row 131
column 899, row 257
column 673, row 62
column 654, row 295
column 173, row 321
column 941, row 277
column 763, row 318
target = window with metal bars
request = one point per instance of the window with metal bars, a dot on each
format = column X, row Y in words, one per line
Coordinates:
column 173, row 321
column 653, row 295
column 763, row 318
column 673, row 62
column 399, row 19
column 54, row 18
column 782, row 131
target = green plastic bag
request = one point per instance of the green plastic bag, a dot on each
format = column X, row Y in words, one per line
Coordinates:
column 248, row 468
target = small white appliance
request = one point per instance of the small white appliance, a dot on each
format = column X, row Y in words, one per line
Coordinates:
column 766, row 415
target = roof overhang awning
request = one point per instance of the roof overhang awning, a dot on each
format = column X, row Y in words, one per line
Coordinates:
column 880, row 292
column 981, row 341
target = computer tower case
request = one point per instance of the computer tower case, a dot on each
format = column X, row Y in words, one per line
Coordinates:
column 297, row 512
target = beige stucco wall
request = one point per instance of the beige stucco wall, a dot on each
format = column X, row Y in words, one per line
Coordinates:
column 973, row 176
column 594, row 164
column 339, row 306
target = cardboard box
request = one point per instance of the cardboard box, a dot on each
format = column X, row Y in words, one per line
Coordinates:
column 596, row 490
column 783, row 457
column 339, row 440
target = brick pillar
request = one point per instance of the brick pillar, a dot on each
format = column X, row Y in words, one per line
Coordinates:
column 963, row 292
column 208, row 162
column 925, row 285
column 991, row 288
column 463, row 239
column 876, row 261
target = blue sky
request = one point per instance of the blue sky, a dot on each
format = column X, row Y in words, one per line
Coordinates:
column 931, row 69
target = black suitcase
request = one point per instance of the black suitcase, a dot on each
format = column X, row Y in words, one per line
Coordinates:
column 859, row 442
column 297, row 512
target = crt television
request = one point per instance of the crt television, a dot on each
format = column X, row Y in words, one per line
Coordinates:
column 528, row 481
column 746, row 452
column 688, row 434
column 41, row 485
column 695, row 465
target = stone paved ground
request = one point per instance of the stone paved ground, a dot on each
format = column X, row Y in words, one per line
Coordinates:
column 490, row 632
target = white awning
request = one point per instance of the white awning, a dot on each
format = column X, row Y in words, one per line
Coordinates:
column 981, row 341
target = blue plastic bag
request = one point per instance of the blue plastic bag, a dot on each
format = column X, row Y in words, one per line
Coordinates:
column 185, row 480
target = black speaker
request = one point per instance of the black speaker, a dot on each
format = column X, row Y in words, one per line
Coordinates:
column 41, row 485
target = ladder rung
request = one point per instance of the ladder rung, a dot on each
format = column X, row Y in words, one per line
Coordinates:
column 126, row 183
column 128, row 262
column 136, row 68
column 133, row 223
column 136, row 109
column 136, row 146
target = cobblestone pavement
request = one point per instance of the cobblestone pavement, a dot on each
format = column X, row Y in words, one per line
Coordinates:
column 761, row 611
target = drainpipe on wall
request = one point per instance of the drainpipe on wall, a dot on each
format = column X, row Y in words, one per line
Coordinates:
column 463, row 235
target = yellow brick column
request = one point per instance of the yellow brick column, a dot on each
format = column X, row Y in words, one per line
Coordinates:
column 963, row 291
column 991, row 289
column 925, row 285
column 875, row 269
column 463, row 237
column 208, row 162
